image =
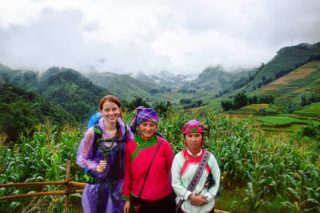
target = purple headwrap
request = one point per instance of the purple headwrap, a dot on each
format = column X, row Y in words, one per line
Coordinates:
column 143, row 115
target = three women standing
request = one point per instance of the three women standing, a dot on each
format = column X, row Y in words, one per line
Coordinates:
column 102, row 155
column 139, row 168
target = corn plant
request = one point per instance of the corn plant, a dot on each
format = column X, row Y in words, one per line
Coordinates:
column 304, row 192
column 264, row 167
column 40, row 158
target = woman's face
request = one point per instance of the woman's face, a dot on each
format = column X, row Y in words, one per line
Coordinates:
column 193, row 142
column 147, row 129
column 110, row 111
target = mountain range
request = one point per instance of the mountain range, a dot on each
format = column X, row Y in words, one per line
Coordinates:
column 80, row 92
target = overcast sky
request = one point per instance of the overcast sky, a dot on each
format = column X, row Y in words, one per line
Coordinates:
column 152, row 35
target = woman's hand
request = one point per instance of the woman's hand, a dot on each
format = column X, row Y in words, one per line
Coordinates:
column 126, row 206
column 198, row 200
column 101, row 166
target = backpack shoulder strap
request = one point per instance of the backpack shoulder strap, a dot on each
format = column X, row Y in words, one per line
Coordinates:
column 125, row 133
column 97, row 136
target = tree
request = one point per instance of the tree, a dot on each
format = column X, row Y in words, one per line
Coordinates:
column 240, row 100
column 162, row 108
column 226, row 105
column 185, row 101
column 138, row 101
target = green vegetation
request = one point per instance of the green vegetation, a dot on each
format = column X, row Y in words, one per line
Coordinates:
column 269, row 162
column 263, row 174
column 303, row 81
column 280, row 120
column 241, row 99
column 62, row 87
column 269, row 117
column 124, row 85
column 286, row 60
column 259, row 109
column 312, row 110
column 41, row 157
column 69, row 89
column 21, row 110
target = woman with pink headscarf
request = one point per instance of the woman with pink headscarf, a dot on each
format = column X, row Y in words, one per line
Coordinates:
column 184, row 167
column 147, row 180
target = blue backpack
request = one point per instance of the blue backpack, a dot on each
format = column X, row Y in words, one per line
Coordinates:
column 94, row 119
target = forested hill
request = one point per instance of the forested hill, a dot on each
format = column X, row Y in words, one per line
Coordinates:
column 64, row 87
column 75, row 93
column 20, row 111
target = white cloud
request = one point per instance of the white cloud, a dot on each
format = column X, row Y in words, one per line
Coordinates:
column 151, row 35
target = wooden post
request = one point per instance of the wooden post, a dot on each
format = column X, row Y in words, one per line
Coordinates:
column 68, row 187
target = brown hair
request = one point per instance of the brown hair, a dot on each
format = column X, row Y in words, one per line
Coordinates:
column 112, row 99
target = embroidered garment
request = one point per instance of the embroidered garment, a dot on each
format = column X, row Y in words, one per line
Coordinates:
column 138, row 157
column 183, row 169
column 104, row 194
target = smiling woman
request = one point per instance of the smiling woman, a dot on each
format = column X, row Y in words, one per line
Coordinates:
column 147, row 170
column 101, row 155
column 147, row 130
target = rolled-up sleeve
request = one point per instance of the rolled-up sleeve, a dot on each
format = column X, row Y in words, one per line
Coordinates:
column 84, row 154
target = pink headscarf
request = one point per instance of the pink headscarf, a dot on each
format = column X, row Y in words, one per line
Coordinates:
column 193, row 126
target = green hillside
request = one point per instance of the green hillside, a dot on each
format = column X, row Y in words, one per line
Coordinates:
column 304, row 80
column 124, row 86
column 312, row 110
column 68, row 88
column 286, row 60
column 20, row 111
column 212, row 78
column 215, row 81
column 20, row 78
column 64, row 87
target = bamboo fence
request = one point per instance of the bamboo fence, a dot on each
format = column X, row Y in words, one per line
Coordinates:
column 69, row 188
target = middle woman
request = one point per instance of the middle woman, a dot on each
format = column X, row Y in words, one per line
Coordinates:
column 147, row 180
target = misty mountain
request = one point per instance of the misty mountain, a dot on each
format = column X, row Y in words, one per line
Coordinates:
column 217, row 81
column 125, row 86
column 20, row 78
column 74, row 92
column 286, row 60
column 79, row 93
column 164, row 79
column 64, row 87
column 212, row 78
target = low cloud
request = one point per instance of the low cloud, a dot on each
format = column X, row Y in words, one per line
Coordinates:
column 150, row 36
